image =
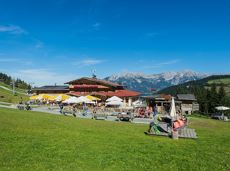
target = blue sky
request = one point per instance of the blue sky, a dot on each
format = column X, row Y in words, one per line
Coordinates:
column 53, row 41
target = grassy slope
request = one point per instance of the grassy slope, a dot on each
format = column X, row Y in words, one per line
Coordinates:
column 9, row 97
column 38, row 141
column 218, row 82
column 10, row 87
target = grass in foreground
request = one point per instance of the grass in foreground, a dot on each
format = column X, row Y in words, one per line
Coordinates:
column 38, row 141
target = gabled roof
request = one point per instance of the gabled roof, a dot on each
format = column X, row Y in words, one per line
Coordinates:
column 52, row 88
column 159, row 97
column 88, row 86
column 186, row 97
column 94, row 80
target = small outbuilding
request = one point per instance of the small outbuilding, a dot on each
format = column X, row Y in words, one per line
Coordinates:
column 188, row 103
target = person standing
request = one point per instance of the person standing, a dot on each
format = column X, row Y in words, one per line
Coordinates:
column 61, row 108
column 155, row 111
column 74, row 110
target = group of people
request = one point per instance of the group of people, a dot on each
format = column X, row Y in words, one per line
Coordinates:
column 142, row 112
column 24, row 106
column 147, row 112
column 73, row 109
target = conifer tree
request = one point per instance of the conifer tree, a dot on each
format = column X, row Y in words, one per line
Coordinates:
column 214, row 98
column 222, row 94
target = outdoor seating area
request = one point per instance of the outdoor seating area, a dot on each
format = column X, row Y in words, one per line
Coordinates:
column 112, row 108
column 219, row 115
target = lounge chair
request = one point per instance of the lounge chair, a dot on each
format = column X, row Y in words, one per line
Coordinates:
column 171, row 129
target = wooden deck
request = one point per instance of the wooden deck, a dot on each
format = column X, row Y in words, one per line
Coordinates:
column 187, row 133
column 184, row 133
column 142, row 120
column 157, row 134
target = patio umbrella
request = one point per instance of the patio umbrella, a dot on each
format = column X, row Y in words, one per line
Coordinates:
column 114, row 98
column 114, row 103
column 139, row 103
column 51, row 97
column 222, row 108
column 34, row 97
column 92, row 98
column 62, row 97
column 71, row 100
column 173, row 113
column 83, row 99
column 43, row 96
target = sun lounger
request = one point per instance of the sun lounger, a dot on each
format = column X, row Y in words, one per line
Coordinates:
column 165, row 129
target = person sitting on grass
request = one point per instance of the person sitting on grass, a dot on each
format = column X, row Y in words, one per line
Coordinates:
column 153, row 125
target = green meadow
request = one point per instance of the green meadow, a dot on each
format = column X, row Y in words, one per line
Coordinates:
column 225, row 82
column 40, row 141
column 7, row 96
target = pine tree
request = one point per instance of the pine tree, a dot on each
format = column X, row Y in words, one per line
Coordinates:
column 18, row 82
column 214, row 98
column 222, row 94
column 207, row 103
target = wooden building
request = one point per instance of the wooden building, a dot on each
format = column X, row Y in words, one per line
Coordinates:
column 161, row 101
column 56, row 89
column 102, row 89
column 185, row 103
column 188, row 103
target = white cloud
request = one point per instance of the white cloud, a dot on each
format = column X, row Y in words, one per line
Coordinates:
column 162, row 64
column 88, row 62
column 43, row 76
column 12, row 29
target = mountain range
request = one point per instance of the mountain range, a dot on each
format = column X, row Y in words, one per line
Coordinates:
column 146, row 83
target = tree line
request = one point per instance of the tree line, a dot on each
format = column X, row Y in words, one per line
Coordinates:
column 207, row 97
column 18, row 82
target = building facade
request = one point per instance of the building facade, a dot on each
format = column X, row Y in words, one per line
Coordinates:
column 188, row 103
column 102, row 89
column 56, row 89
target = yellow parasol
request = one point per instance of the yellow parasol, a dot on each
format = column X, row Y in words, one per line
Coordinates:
column 52, row 97
column 35, row 97
column 43, row 96
column 92, row 98
column 62, row 97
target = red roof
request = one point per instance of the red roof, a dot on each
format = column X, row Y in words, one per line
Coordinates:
column 118, row 93
column 87, row 86
column 94, row 80
column 78, row 94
